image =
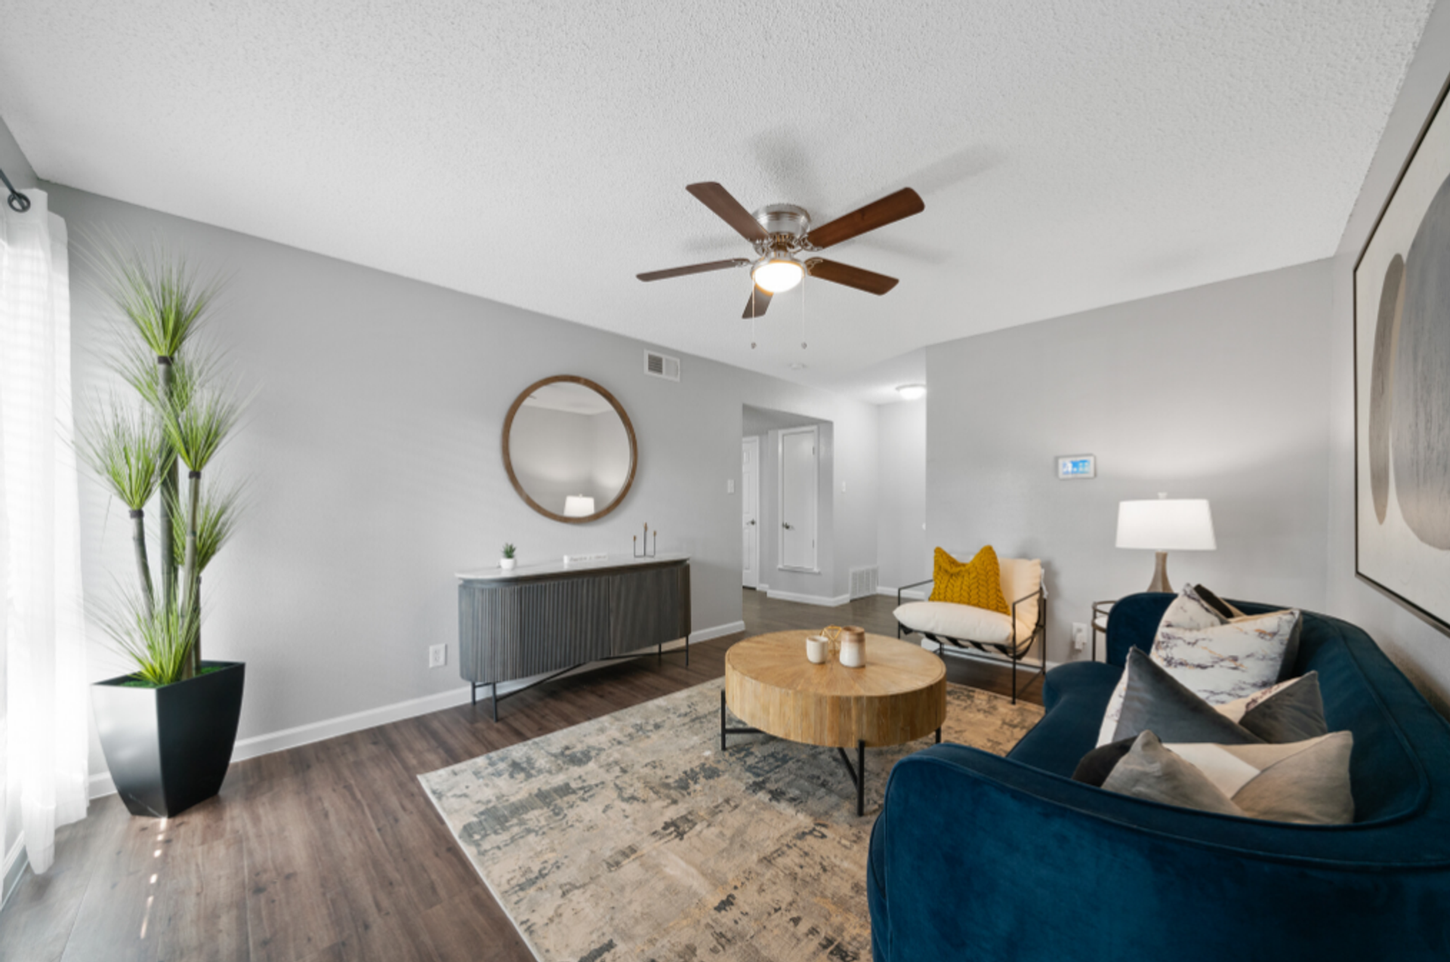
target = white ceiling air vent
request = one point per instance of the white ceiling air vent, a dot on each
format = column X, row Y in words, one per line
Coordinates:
column 660, row 365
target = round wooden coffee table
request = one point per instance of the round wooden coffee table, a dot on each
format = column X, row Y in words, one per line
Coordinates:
column 899, row 696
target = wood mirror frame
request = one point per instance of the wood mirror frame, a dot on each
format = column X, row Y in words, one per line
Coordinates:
column 508, row 465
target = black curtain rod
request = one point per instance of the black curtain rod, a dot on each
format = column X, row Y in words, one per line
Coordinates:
column 18, row 202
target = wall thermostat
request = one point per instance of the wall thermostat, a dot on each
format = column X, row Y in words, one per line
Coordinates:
column 1071, row 466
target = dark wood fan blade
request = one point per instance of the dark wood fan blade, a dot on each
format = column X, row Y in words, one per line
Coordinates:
column 759, row 301
column 889, row 209
column 838, row 273
column 692, row 269
column 728, row 209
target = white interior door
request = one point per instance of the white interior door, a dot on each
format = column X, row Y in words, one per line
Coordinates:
column 750, row 512
column 798, row 491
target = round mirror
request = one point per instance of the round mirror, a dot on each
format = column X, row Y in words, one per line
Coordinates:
column 569, row 449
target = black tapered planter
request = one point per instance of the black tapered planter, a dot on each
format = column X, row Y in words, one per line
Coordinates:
column 168, row 748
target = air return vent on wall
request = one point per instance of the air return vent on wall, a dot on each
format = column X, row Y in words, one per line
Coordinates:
column 660, row 365
column 864, row 581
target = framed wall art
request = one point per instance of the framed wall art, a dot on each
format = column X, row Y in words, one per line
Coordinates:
column 1402, row 385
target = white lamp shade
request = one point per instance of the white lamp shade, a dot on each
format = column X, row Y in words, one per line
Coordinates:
column 1181, row 524
column 578, row 506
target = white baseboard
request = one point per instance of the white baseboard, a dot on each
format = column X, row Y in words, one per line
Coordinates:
column 719, row 631
column 15, row 863
column 821, row 600
column 915, row 594
column 100, row 783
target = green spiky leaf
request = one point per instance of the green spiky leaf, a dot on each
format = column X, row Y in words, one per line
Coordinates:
column 197, row 429
column 164, row 298
column 218, row 510
column 158, row 642
column 127, row 450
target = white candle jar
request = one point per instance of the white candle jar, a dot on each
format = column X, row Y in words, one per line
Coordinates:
column 853, row 647
column 816, row 647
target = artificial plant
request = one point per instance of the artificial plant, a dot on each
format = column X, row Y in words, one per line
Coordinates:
column 181, row 414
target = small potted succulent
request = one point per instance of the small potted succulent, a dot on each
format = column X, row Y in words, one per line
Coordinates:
column 508, row 560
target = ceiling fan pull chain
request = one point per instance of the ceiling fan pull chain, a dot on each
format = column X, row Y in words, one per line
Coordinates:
column 752, row 315
column 803, row 314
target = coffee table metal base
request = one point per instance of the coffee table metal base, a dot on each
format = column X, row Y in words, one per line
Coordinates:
column 857, row 771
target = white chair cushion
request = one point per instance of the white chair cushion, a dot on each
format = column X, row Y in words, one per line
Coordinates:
column 1020, row 578
column 966, row 622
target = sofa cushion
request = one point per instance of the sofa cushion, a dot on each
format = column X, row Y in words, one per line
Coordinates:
column 1074, row 695
column 966, row 622
column 977, row 582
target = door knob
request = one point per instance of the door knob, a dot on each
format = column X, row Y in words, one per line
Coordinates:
column 785, row 526
column 752, row 521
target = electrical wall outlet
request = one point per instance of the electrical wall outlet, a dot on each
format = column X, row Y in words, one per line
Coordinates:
column 437, row 655
column 1079, row 636
column 843, row 487
column 729, row 485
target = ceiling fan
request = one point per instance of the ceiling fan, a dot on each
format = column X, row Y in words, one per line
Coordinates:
column 779, row 232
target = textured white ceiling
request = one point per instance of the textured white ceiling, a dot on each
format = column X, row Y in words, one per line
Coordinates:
column 1071, row 154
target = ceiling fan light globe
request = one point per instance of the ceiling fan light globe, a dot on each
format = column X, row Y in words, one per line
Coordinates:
column 777, row 274
column 912, row 392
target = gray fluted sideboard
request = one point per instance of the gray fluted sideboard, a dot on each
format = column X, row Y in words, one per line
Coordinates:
column 549, row 619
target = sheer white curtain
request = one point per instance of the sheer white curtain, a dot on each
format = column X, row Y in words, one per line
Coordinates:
column 42, row 624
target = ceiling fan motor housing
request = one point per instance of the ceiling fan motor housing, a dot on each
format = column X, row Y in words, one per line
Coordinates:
column 787, row 226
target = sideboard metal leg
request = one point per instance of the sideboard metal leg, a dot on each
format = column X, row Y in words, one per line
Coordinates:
column 660, row 653
column 722, row 721
column 687, row 651
column 494, row 700
column 473, row 691
column 938, row 736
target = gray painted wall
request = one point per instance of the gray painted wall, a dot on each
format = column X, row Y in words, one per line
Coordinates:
column 902, row 548
column 1217, row 392
column 373, row 452
column 1421, row 650
column 13, row 161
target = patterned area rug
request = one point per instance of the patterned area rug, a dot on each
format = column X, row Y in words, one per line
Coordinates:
column 633, row 837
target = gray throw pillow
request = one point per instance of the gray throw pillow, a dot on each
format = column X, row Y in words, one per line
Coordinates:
column 1305, row 782
column 1294, row 713
column 1153, row 773
column 1153, row 700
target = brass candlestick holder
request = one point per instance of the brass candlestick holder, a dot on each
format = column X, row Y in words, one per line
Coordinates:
column 647, row 553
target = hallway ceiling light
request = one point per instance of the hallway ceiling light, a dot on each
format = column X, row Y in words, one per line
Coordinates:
column 912, row 391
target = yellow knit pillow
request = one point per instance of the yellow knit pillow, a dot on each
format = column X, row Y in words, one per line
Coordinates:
column 977, row 582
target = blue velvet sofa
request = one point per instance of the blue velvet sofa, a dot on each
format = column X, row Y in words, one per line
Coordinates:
column 980, row 857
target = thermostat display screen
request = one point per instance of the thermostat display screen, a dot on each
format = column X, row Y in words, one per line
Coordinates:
column 1077, row 466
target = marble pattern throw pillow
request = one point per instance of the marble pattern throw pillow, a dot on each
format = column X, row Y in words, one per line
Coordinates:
column 1218, row 659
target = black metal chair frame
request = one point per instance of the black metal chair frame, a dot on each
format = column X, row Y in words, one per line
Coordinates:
column 1009, row 649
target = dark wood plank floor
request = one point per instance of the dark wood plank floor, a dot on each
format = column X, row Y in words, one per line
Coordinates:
column 332, row 852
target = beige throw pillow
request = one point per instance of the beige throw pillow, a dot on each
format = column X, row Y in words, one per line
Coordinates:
column 1305, row 782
